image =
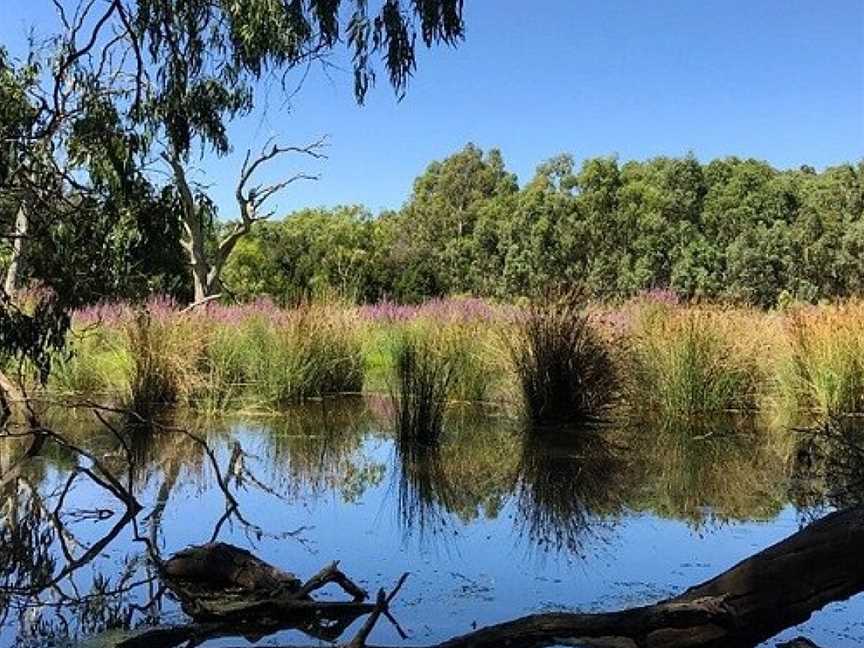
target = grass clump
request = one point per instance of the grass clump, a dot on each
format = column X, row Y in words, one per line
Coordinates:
column 565, row 371
column 268, row 362
column 422, row 377
column 159, row 371
column 823, row 369
column 689, row 362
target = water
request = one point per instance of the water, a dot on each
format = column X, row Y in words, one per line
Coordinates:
column 491, row 526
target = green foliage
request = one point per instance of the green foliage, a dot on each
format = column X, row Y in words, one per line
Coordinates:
column 735, row 230
column 203, row 58
column 314, row 253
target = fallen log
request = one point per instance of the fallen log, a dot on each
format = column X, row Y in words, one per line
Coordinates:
column 775, row 589
column 224, row 583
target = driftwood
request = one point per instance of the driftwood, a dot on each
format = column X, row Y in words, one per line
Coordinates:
column 221, row 582
column 775, row 589
column 228, row 591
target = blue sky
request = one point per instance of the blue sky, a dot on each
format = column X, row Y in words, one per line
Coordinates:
column 779, row 80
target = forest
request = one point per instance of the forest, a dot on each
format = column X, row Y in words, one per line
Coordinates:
column 729, row 230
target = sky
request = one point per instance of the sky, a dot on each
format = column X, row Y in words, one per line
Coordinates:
column 777, row 80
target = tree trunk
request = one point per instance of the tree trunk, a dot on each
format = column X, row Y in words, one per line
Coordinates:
column 13, row 278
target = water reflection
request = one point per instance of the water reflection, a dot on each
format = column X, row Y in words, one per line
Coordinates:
column 424, row 491
column 572, row 484
column 319, row 448
column 828, row 466
column 51, row 571
column 72, row 565
column 706, row 471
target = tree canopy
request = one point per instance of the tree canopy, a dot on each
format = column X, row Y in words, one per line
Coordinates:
column 733, row 229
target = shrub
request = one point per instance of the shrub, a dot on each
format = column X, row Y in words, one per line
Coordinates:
column 96, row 362
column 564, row 369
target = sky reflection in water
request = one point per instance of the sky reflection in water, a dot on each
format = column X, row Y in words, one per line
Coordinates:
column 492, row 524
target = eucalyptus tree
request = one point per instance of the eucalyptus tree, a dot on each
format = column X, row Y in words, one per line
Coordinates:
column 443, row 210
column 197, row 64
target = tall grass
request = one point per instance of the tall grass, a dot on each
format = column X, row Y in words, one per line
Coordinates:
column 419, row 389
column 463, row 329
column 159, row 370
column 564, row 368
column 268, row 362
column 566, row 362
column 824, row 364
column 685, row 362
column 96, row 362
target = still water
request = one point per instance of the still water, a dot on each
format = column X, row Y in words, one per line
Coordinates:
column 491, row 525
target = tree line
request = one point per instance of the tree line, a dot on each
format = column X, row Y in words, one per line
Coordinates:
column 731, row 229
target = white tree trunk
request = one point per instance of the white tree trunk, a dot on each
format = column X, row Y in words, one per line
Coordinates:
column 12, row 282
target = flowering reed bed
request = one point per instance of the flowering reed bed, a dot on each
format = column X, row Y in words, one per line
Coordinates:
column 671, row 358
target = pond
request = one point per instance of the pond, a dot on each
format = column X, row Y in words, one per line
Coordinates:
column 491, row 525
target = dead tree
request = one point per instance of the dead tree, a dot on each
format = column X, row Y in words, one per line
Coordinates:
column 207, row 268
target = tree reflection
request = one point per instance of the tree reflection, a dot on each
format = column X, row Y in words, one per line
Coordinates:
column 707, row 471
column 319, row 448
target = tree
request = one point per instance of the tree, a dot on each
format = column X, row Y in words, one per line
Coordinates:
column 309, row 253
column 440, row 217
column 198, row 212
column 197, row 63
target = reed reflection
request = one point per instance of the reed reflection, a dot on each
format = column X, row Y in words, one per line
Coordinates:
column 571, row 488
column 706, row 471
column 828, row 465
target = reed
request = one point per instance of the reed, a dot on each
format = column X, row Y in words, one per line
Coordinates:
column 159, row 367
column 564, row 369
column 685, row 362
column 822, row 369
column 422, row 377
